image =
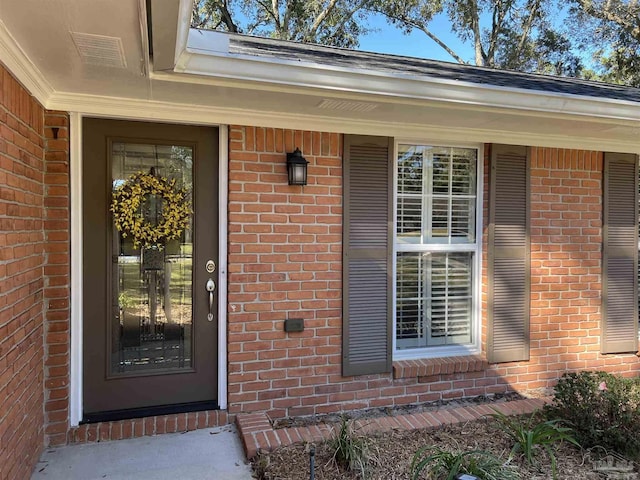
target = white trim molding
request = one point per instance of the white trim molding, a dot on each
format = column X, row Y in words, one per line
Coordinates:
column 441, row 351
column 76, row 356
column 118, row 107
column 75, row 154
column 223, row 161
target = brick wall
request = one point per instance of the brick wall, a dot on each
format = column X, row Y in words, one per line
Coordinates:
column 566, row 271
column 56, row 277
column 285, row 261
column 21, row 280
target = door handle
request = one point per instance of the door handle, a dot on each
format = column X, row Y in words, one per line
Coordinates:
column 211, row 287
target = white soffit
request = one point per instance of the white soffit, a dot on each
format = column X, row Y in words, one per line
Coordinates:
column 80, row 46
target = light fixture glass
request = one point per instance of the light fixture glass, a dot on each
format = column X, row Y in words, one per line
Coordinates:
column 297, row 168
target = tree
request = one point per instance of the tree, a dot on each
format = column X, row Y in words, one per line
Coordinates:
column 545, row 36
column 329, row 22
column 613, row 26
column 518, row 34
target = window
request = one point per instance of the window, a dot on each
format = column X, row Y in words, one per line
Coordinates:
column 436, row 249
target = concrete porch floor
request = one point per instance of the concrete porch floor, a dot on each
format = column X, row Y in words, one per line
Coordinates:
column 212, row 453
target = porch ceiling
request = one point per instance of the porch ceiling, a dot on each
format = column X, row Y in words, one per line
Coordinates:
column 37, row 45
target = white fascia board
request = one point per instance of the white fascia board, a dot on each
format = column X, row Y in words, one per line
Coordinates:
column 125, row 108
column 18, row 63
column 184, row 21
column 207, row 55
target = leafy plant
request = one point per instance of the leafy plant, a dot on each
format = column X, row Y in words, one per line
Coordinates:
column 603, row 409
column 530, row 436
column 350, row 451
column 443, row 464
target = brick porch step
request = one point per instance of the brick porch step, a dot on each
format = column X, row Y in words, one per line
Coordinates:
column 258, row 434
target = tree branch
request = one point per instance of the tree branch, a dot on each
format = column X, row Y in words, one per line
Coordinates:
column 477, row 34
column 345, row 18
column 275, row 13
column 320, row 18
column 225, row 16
column 630, row 22
column 442, row 44
column 496, row 24
column 423, row 28
column 207, row 18
column 526, row 28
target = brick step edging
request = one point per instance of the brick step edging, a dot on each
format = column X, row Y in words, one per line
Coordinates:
column 257, row 433
column 148, row 426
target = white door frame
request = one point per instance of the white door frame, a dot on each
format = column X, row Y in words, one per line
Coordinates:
column 75, row 153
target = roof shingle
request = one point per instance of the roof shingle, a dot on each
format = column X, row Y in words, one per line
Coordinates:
column 427, row 69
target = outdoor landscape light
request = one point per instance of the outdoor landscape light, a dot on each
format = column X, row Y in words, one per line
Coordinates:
column 297, row 168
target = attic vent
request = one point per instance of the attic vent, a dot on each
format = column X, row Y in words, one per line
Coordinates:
column 100, row 50
column 346, row 105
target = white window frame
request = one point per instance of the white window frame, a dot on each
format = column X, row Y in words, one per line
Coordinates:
column 445, row 350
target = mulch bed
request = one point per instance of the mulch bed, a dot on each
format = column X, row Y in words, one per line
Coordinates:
column 336, row 418
column 392, row 452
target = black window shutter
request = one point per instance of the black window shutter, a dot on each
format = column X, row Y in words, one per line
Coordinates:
column 620, row 254
column 367, row 251
column 508, row 255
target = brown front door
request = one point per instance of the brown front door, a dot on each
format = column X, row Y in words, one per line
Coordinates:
column 150, row 246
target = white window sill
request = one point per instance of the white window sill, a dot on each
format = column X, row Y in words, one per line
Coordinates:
column 436, row 352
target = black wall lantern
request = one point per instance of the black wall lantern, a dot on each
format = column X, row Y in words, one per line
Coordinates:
column 297, row 168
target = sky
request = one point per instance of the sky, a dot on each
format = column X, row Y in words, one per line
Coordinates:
column 389, row 39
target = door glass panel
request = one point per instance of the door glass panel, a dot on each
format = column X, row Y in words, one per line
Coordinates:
column 151, row 321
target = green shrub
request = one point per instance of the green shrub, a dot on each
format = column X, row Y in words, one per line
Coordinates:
column 532, row 435
column 445, row 465
column 350, row 451
column 604, row 410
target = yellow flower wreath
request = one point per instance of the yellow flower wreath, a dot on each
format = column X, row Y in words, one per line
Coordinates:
column 129, row 219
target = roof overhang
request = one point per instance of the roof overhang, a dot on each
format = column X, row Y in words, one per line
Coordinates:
column 206, row 54
column 195, row 78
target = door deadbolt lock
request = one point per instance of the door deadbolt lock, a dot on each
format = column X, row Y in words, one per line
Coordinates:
column 210, row 266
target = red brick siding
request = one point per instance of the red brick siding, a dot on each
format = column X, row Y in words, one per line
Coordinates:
column 566, row 289
column 566, row 272
column 284, row 261
column 148, row 426
column 566, row 224
column 57, row 274
column 21, row 280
